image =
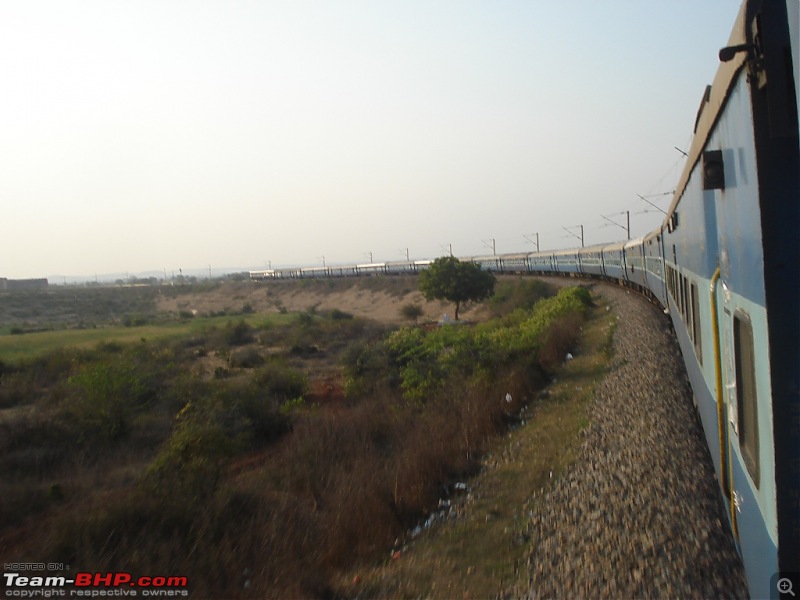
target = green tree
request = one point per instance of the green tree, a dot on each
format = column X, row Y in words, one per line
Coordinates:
column 450, row 279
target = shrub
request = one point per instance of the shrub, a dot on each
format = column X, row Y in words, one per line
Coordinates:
column 104, row 396
column 280, row 382
column 560, row 337
column 339, row 315
column 412, row 312
column 245, row 358
column 238, row 334
column 217, row 422
column 520, row 293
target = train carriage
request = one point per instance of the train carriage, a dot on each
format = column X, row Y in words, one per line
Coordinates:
column 514, row 263
column 730, row 248
column 634, row 263
column 541, row 262
column 566, row 261
column 342, row 271
column 488, row 263
column 591, row 260
column 371, row 269
column 262, row 275
column 654, row 265
column 421, row 265
column 314, row 272
column 401, row 267
column 614, row 261
column 288, row 273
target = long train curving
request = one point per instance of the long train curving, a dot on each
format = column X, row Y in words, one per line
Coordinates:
column 725, row 264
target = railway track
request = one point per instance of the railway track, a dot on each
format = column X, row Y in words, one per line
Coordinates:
column 639, row 513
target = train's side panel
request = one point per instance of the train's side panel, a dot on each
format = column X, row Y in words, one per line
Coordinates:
column 654, row 266
column 541, row 262
column 371, row 269
column 514, row 263
column 488, row 263
column 342, row 271
column 731, row 251
column 400, row 267
column 566, row 261
column 634, row 263
column 591, row 260
column 614, row 261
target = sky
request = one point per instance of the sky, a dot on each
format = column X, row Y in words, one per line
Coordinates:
column 230, row 135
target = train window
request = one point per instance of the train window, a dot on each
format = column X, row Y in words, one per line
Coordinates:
column 697, row 333
column 672, row 282
column 689, row 314
column 686, row 304
column 746, row 400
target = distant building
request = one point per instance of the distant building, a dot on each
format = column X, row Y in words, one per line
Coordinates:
column 17, row 285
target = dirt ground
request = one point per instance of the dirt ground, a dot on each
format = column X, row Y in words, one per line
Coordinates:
column 265, row 297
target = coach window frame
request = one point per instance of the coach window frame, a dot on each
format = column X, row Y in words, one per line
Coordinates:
column 697, row 331
column 746, row 393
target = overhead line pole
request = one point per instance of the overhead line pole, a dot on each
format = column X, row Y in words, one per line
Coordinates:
column 628, row 228
column 575, row 234
column 532, row 242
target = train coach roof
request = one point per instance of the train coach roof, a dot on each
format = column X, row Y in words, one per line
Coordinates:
column 712, row 103
column 615, row 247
column 485, row 257
column 518, row 255
column 595, row 248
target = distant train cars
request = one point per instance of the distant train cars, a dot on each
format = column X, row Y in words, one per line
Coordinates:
column 410, row 267
column 725, row 266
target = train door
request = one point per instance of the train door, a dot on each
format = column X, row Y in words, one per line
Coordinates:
column 726, row 411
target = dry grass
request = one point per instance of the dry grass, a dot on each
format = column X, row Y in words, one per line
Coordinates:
column 476, row 555
column 205, row 479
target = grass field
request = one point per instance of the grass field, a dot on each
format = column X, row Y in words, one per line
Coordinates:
column 17, row 348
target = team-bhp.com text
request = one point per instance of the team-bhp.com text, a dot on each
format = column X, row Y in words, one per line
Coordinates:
column 94, row 585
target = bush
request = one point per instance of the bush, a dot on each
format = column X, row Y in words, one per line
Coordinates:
column 217, row 422
column 280, row 382
column 339, row 315
column 412, row 312
column 238, row 334
column 520, row 293
column 104, row 396
column 245, row 358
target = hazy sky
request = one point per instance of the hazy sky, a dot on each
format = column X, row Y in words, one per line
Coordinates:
column 149, row 135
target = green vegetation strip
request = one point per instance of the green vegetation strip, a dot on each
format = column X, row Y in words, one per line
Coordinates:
column 476, row 554
column 16, row 348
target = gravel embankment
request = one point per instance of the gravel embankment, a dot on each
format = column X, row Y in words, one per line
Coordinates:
column 639, row 514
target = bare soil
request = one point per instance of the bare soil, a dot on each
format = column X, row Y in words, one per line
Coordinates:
column 379, row 304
